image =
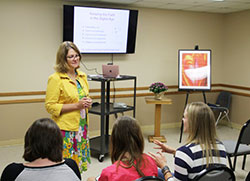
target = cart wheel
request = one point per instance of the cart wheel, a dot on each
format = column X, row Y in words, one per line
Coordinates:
column 101, row 158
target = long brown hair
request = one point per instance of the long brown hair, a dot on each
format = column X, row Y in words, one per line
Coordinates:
column 201, row 128
column 127, row 143
column 61, row 56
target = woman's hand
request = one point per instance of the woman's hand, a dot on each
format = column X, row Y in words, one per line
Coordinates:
column 87, row 102
column 84, row 103
column 159, row 158
column 91, row 179
column 164, row 148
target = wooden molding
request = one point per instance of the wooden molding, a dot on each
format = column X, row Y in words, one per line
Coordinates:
column 18, row 101
column 235, row 87
column 31, row 93
column 170, row 92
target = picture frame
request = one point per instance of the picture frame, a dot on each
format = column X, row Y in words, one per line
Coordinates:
column 194, row 70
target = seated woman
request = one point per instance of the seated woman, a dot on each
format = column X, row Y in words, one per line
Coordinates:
column 126, row 150
column 202, row 150
column 43, row 150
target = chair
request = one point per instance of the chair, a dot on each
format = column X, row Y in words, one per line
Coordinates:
column 149, row 178
column 222, row 105
column 218, row 173
column 240, row 147
column 248, row 177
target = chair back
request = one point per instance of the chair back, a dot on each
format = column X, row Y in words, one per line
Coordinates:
column 218, row 173
column 248, row 176
column 244, row 137
column 150, row 178
column 224, row 99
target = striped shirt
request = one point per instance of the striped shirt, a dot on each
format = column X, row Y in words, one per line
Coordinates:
column 189, row 161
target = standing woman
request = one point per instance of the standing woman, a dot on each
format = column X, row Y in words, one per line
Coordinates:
column 67, row 100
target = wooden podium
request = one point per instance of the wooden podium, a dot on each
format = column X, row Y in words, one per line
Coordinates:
column 157, row 135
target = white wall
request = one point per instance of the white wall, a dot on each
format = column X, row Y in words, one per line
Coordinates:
column 30, row 34
column 235, row 64
column 31, row 31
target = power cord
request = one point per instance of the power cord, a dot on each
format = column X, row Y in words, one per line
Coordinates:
column 114, row 92
column 95, row 69
column 116, row 116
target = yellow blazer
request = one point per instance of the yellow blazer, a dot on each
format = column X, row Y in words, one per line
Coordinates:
column 62, row 90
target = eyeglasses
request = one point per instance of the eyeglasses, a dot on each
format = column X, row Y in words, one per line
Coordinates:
column 71, row 57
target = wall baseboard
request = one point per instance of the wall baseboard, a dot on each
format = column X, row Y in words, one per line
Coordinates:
column 12, row 142
column 230, row 124
column 163, row 126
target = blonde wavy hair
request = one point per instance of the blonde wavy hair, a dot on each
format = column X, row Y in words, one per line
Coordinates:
column 201, row 129
column 61, row 56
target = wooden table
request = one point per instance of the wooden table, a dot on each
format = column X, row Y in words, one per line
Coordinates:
column 157, row 135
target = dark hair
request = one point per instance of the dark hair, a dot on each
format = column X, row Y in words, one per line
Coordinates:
column 43, row 140
column 127, row 138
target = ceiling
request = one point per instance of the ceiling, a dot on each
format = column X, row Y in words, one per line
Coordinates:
column 212, row 6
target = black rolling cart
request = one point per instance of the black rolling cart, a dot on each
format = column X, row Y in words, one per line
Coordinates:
column 100, row 143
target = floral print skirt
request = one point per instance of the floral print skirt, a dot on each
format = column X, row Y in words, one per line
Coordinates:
column 76, row 145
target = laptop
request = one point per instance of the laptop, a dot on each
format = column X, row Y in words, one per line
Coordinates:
column 110, row 71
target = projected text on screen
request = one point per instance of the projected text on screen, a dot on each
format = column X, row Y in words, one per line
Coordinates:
column 100, row 30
